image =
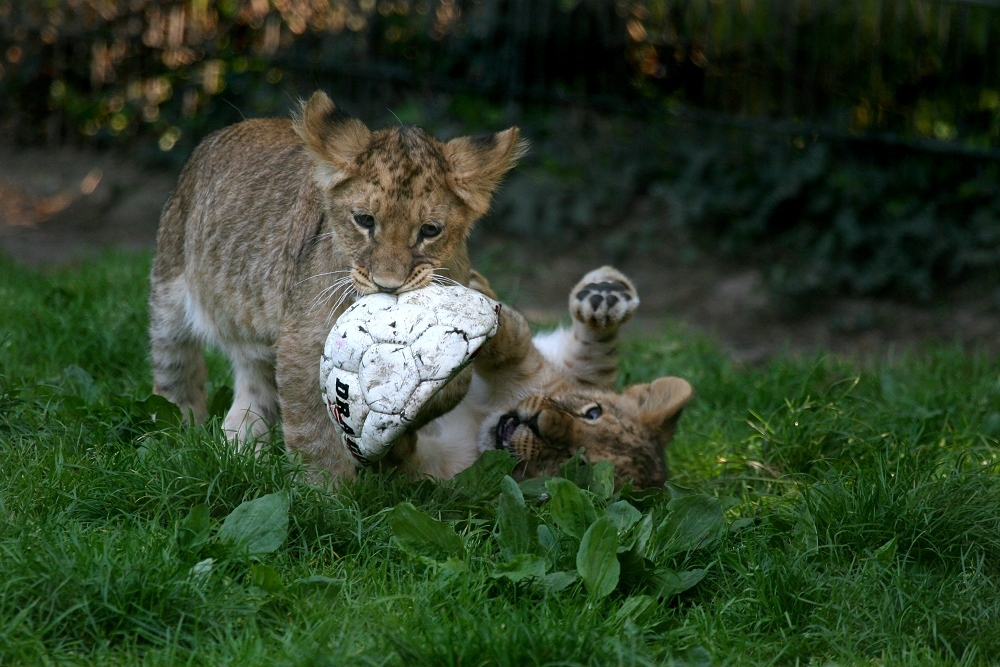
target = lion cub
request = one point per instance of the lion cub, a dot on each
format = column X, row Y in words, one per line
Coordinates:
column 543, row 398
column 275, row 225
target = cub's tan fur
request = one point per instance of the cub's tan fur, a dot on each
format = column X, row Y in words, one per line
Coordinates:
column 275, row 224
column 545, row 398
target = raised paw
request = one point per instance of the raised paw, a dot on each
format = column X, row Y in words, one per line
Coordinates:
column 603, row 299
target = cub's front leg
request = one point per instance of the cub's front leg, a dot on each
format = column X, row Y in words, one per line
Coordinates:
column 600, row 303
column 307, row 426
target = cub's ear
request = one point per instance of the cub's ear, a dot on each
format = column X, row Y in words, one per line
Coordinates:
column 333, row 138
column 478, row 163
column 660, row 403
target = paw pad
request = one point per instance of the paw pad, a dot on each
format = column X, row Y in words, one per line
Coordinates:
column 603, row 303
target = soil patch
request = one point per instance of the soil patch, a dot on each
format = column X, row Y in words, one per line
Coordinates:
column 59, row 206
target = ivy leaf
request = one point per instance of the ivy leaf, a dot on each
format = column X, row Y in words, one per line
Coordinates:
column 523, row 566
column 597, row 558
column 572, row 510
column 257, row 526
column 422, row 535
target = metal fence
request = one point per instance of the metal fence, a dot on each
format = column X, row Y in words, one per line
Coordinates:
column 915, row 70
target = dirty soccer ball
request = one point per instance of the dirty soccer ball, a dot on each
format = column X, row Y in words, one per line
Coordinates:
column 388, row 354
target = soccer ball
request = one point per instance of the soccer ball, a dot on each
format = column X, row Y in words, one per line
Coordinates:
column 388, row 354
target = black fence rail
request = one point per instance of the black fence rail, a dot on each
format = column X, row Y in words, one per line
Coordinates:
column 911, row 69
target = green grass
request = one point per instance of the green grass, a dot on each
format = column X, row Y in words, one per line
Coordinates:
column 861, row 525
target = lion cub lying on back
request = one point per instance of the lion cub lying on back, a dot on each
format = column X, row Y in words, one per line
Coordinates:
column 545, row 397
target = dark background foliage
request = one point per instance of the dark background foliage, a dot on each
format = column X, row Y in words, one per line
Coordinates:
column 848, row 145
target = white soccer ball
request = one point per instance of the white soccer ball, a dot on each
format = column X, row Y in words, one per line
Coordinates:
column 388, row 354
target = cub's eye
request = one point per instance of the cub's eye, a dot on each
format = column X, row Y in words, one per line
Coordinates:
column 430, row 230
column 364, row 220
column 593, row 412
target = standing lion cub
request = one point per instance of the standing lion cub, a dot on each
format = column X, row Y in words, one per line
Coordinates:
column 275, row 225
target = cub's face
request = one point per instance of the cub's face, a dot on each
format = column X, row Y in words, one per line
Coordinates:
column 399, row 203
column 396, row 216
column 631, row 429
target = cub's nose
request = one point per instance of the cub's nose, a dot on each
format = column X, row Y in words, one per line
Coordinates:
column 386, row 287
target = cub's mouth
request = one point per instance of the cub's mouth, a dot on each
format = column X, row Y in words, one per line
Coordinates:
column 504, row 432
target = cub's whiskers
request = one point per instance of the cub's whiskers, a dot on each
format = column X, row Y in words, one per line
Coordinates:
column 327, row 293
column 320, row 275
column 343, row 296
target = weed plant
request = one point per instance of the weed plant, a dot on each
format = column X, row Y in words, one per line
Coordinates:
column 819, row 511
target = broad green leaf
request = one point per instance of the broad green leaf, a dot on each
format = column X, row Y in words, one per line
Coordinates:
column 157, row 411
column 557, row 581
column 521, row 567
column 452, row 568
column 482, row 478
column 739, row 525
column 578, row 470
column 623, row 514
column 194, row 529
column 267, row 579
column 639, row 609
column 423, row 535
column 635, row 570
column 602, row 483
column 572, row 510
column 514, row 531
column 885, row 554
column 728, row 502
column 677, row 491
column 645, row 499
column 200, row 570
column 641, row 536
column 667, row 583
column 546, row 538
column 597, row 558
column 257, row 526
column 693, row 522
column 533, row 488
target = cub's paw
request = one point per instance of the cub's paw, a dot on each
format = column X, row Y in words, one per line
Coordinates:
column 603, row 298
